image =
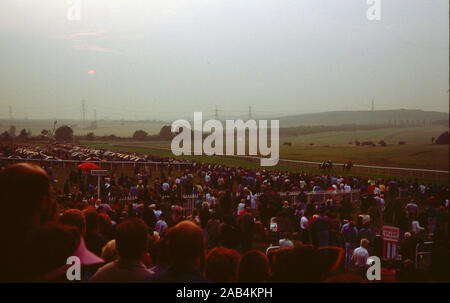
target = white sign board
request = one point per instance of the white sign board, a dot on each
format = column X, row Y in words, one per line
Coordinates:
column 391, row 233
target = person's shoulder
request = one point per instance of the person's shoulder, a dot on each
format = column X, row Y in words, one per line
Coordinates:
column 103, row 271
column 108, row 266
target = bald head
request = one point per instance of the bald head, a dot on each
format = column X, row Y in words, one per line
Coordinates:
column 186, row 244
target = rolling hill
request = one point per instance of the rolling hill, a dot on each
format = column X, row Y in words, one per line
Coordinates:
column 398, row 117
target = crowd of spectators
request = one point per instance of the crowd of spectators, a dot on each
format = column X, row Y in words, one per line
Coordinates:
column 224, row 237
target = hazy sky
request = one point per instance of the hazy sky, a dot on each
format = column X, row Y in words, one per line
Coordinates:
column 163, row 59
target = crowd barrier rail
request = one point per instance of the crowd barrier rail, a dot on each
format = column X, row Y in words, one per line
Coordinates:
column 317, row 197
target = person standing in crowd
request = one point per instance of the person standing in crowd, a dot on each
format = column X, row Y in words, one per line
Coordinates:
column 225, row 218
column 132, row 246
column 212, row 231
column 94, row 239
column 360, row 256
column 412, row 209
column 161, row 225
column 365, row 233
column 334, row 229
column 320, row 228
column 222, row 265
column 407, row 246
column 204, row 215
column 254, row 267
column 186, row 255
column 23, row 211
column 246, row 224
column 350, row 236
column 304, row 231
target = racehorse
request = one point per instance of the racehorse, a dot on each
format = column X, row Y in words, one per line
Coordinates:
column 326, row 165
column 348, row 166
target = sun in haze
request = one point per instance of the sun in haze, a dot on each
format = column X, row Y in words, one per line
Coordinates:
column 91, row 72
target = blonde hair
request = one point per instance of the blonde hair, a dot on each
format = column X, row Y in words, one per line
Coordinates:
column 364, row 242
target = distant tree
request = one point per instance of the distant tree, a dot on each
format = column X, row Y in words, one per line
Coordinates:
column 401, row 142
column 12, row 131
column 45, row 132
column 357, row 143
column 112, row 137
column 64, row 133
column 90, row 136
column 432, row 140
column 382, row 143
column 140, row 135
column 5, row 137
column 23, row 134
column 166, row 132
column 443, row 139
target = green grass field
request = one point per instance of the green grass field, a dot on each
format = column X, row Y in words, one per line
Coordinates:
column 417, row 153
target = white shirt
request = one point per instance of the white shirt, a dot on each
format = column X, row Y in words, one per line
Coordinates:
column 381, row 202
column 240, row 208
column 285, row 243
column 211, row 200
column 253, row 201
column 376, row 191
column 161, row 227
column 304, row 223
column 157, row 213
column 422, row 189
column 360, row 256
column 415, row 227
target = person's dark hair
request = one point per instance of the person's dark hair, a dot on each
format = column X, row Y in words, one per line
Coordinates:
column 48, row 249
column 186, row 243
column 132, row 238
column 222, row 265
column 26, row 205
column 24, row 191
column 159, row 252
column 254, row 267
column 74, row 218
column 105, row 224
column 92, row 219
column 302, row 263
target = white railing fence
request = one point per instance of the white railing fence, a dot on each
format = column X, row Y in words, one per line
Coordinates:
column 318, row 197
